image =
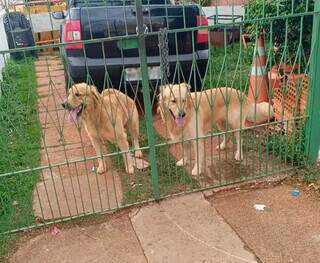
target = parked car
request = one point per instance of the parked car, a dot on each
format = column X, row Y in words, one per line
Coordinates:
column 96, row 19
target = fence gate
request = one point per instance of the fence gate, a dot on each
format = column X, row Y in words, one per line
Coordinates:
column 123, row 102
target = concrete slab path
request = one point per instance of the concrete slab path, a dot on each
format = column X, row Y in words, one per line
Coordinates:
column 187, row 229
column 112, row 241
column 184, row 229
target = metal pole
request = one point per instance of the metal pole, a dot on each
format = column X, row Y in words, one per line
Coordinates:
column 313, row 109
column 146, row 99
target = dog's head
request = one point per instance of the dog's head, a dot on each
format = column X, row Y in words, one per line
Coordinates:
column 174, row 100
column 80, row 96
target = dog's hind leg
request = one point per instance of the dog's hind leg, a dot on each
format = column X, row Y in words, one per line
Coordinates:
column 123, row 144
column 239, row 152
column 225, row 139
column 222, row 146
column 133, row 126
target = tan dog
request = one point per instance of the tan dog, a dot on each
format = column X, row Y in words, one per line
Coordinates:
column 189, row 115
column 105, row 117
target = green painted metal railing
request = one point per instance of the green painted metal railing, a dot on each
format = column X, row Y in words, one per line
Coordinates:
column 48, row 167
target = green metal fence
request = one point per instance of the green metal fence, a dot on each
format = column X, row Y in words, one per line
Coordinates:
column 53, row 170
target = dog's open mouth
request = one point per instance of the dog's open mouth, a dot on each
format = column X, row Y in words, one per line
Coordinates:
column 74, row 113
column 180, row 121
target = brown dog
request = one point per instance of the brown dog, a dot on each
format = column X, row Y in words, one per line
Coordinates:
column 105, row 117
column 189, row 115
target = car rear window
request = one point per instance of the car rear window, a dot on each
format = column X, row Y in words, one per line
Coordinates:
column 81, row 3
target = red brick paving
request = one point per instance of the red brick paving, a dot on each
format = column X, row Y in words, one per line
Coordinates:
column 66, row 186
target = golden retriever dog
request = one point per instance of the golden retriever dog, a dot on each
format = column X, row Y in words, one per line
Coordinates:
column 105, row 118
column 189, row 115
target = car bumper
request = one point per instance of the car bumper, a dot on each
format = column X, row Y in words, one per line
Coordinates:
column 98, row 68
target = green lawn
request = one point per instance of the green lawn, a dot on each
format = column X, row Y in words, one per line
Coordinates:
column 19, row 146
column 229, row 67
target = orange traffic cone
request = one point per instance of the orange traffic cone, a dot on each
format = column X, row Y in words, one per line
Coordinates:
column 258, row 89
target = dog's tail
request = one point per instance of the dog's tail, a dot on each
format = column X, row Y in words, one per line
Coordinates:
column 261, row 113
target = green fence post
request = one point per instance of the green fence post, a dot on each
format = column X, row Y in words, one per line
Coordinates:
column 146, row 99
column 313, row 109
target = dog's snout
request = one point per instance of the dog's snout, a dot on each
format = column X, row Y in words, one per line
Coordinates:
column 65, row 105
column 182, row 114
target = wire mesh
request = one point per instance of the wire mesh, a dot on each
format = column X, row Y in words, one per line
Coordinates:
column 156, row 102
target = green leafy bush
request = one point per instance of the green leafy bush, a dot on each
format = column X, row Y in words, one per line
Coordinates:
column 282, row 25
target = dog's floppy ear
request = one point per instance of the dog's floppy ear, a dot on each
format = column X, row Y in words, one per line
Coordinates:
column 161, row 93
column 187, row 86
column 73, row 89
column 162, row 88
column 94, row 92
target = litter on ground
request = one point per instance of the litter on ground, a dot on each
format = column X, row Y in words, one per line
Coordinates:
column 295, row 192
column 260, row 207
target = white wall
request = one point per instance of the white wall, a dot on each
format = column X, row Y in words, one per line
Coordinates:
column 3, row 41
column 43, row 23
column 222, row 10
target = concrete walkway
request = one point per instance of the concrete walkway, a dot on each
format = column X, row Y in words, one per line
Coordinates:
column 220, row 227
column 184, row 229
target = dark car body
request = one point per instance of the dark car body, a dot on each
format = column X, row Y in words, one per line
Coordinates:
column 113, row 23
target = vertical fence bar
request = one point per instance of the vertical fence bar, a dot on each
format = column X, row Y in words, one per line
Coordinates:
column 146, row 99
column 313, row 108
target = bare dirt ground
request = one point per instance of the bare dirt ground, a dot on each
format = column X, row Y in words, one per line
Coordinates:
column 287, row 231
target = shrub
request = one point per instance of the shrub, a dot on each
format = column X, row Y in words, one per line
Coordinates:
column 270, row 8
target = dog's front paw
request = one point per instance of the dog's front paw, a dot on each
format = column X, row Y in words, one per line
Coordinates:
column 100, row 169
column 181, row 162
column 196, row 170
column 238, row 157
column 130, row 170
column 138, row 154
column 221, row 147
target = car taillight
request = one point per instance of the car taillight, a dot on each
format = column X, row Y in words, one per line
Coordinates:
column 202, row 36
column 72, row 33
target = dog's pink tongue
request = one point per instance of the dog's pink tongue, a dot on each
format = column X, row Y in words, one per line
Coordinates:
column 73, row 114
column 180, row 121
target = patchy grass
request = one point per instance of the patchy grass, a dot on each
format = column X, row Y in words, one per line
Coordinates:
column 289, row 147
column 311, row 174
column 19, row 146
